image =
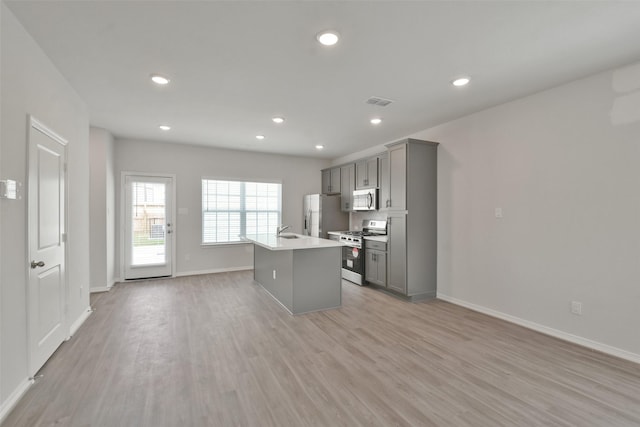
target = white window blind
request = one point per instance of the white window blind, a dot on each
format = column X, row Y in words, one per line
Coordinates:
column 234, row 208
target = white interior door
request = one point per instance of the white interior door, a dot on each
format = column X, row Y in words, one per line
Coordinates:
column 47, row 277
column 148, row 237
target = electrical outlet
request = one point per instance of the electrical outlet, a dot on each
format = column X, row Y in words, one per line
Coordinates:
column 274, row 275
column 576, row 308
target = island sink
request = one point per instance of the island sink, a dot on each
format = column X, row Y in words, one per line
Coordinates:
column 288, row 236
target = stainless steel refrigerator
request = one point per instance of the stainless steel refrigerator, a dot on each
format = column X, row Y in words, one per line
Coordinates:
column 322, row 214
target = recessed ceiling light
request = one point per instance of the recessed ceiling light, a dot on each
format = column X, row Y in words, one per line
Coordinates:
column 164, row 127
column 261, row 137
column 328, row 38
column 462, row 81
column 319, row 147
column 278, row 119
column 376, row 121
column 158, row 79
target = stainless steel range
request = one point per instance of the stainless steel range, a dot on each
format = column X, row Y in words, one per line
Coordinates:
column 353, row 254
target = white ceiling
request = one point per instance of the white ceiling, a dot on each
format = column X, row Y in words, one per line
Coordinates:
column 233, row 65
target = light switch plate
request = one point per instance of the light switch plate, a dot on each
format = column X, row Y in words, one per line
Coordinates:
column 498, row 212
column 576, row 307
column 8, row 189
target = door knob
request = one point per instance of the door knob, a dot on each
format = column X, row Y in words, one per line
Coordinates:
column 37, row 264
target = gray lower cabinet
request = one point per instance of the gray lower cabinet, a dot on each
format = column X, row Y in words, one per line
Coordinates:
column 302, row 280
column 348, row 184
column 375, row 264
column 397, row 253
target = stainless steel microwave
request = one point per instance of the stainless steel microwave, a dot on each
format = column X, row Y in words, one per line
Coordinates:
column 365, row 200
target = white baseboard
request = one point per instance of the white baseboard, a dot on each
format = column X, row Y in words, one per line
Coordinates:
column 585, row 342
column 79, row 321
column 97, row 289
column 214, row 270
column 13, row 399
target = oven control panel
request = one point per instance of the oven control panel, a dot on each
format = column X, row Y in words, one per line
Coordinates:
column 354, row 241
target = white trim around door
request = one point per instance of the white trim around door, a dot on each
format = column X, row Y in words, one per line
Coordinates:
column 46, row 260
column 164, row 265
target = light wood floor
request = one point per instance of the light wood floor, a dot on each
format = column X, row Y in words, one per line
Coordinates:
column 216, row 350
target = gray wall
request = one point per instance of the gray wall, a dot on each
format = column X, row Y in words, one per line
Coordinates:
column 102, row 209
column 32, row 85
column 563, row 166
column 299, row 176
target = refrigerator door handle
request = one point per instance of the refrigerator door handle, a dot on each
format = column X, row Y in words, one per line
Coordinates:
column 307, row 223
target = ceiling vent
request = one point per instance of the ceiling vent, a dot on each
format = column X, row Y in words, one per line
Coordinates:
column 380, row 102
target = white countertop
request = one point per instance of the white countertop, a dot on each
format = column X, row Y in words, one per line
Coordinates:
column 274, row 243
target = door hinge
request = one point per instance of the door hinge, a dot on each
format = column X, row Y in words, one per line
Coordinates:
column 64, row 237
column 64, row 167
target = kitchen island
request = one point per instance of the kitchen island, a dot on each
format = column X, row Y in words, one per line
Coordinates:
column 302, row 273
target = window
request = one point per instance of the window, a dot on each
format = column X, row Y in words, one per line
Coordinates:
column 233, row 208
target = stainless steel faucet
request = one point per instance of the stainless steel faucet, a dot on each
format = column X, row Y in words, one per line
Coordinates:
column 281, row 229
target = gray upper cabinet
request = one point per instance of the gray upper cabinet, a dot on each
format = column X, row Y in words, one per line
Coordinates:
column 383, row 181
column 326, row 181
column 367, row 173
column 331, row 181
column 397, row 199
column 348, row 184
column 411, row 218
